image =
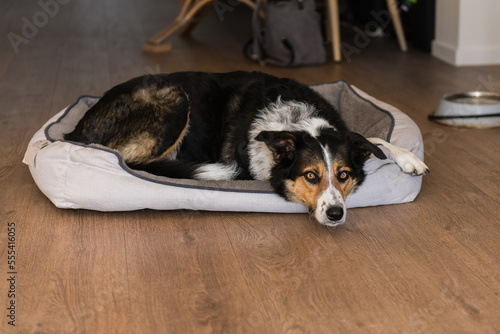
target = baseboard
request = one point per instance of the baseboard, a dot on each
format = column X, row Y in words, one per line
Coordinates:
column 466, row 56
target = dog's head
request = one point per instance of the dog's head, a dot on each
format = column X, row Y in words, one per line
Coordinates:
column 318, row 171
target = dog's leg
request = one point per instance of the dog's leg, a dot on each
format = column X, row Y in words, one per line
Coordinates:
column 407, row 161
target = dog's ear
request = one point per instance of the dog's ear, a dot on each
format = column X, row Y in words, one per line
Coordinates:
column 283, row 144
column 361, row 148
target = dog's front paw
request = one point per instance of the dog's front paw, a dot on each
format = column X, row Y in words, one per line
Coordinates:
column 410, row 163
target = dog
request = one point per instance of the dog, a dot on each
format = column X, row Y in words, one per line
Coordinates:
column 238, row 125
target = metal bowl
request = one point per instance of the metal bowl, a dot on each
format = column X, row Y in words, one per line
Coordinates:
column 469, row 109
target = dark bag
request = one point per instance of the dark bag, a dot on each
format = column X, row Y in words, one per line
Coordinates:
column 289, row 34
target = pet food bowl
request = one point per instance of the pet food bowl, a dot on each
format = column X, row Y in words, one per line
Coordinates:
column 469, row 109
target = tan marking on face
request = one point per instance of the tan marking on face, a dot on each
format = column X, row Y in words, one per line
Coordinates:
column 344, row 187
column 306, row 192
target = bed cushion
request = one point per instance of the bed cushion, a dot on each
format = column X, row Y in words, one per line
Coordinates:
column 77, row 176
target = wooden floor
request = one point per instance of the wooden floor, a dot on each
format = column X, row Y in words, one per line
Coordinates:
column 431, row 266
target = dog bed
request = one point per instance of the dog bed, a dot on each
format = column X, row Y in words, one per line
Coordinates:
column 77, row 176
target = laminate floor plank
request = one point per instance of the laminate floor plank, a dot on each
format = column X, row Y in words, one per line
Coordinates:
column 85, row 287
column 424, row 280
column 308, row 267
column 189, row 263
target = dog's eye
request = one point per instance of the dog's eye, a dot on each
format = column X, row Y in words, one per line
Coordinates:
column 343, row 176
column 311, row 177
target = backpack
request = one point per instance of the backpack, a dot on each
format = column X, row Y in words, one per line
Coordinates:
column 289, row 35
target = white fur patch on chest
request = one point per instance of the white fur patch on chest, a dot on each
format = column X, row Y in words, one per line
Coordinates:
column 280, row 116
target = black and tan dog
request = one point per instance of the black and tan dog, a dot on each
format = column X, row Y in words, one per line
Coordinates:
column 238, row 125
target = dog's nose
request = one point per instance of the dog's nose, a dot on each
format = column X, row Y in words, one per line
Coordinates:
column 335, row 213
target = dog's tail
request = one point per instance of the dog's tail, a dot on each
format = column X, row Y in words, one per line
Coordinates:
column 179, row 169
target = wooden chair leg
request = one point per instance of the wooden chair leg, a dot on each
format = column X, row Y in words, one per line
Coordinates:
column 334, row 28
column 197, row 17
column 396, row 20
column 190, row 14
column 190, row 10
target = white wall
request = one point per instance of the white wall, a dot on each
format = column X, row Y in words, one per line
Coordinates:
column 467, row 32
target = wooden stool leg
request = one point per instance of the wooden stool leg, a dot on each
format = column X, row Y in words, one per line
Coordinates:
column 190, row 9
column 334, row 28
column 189, row 26
column 393, row 9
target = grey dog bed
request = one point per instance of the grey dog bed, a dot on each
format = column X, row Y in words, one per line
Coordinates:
column 74, row 175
